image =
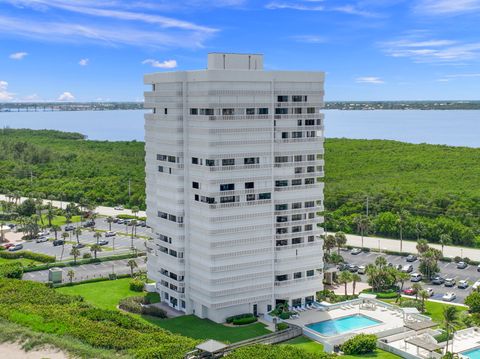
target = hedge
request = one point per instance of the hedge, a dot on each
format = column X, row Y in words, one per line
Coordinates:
column 11, row 270
column 39, row 257
column 93, row 280
column 239, row 316
column 360, row 344
column 129, row 216
column 243, row 321
column 282, row 326
column 137, row 285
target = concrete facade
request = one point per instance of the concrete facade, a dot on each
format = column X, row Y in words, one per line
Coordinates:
column 234, row 160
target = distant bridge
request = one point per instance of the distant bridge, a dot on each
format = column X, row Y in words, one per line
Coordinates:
column 71, row 106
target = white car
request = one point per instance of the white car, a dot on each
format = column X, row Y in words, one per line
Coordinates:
column 41, row 239
column 361, row 270
column 110, row 234
column 429, row 292
column 462, row 284
column 118, row 208
column 43, row 234
column 448, row 297
column 476, row 285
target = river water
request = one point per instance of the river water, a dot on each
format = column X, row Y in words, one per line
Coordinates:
column 456, row 128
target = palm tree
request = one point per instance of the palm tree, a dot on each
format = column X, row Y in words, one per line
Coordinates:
column 2, row 235
column 450, row 317
column 134, row 227
column 363, row 224
column 344, row 278
column 355, row 279
column 340, row 239
column 97, row 235
column 50, row 214
column 71, row 275
column 135, row 211
column 132, row 264
column 329, row 243
column 445, row 240
column 56, row 229
column 77, row 232
column 400, row 222
column 401, row 277
column 418, row 288
column 75, row 252
column 110, row 221
column 95, row 248
column 65, row 235
column 422, row 246
column 424, row 296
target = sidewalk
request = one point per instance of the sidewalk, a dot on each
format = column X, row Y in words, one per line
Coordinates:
column 102, row 210
column 409, row 246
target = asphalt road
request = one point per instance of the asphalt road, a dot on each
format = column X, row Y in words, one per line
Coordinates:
column 447, row 270
column 90, row 271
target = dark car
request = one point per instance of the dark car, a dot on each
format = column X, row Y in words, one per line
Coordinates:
column 89, row 224
column 411, row 258
column 342, row 266
column 352, row 268
column 462, row 265
column 438, row 280
column 143, row 224
column 79, row 245
column 69, row 227
column 58, row 242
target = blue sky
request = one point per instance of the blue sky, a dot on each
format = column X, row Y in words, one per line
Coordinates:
column 86, row 50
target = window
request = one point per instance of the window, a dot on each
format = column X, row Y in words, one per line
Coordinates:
column 296, row 182
column 194, row 111
column 163, row 215
column 165, row 111
column 210, row 162
column 194, row 160
column 250, row 197
column 281, row 159
column 161, row 169
column 296, row 229
column 282, row 230
column 297, row 275
column 284, row 134
column 206, row 111
column 299, row 122
column 297, row 134
column 298, row 158
column 311, row 134
column 281, row 219
column 251, row 160
column 281, row 278
column 319, row 122
column 250, row 111
column 310, row 109
column 309, row 122
column 227, row 199
column 298, row 170
column 282, row 242
column 308, row 227
column 298, row 98
column 264, row 196
column 153, row 87
column 281, row 207
column 311, row 238
column 249, row 185
column 310, row 273
column 228, row 162
column 309, row 180
column 263, row 111
column 282, row 98
column 310, row 157
column 210, row 200
column 195, row 185
column 172, row 159
column 296, row 217
column 296, row 205
column 310, row 169
column 172, row 218
column 227, row 111
column 227, row 187
column 311, row 215
column 197, row 197
column 281, row 183
column 309, row 204
column 161, row 157
column 297, row 240
column 297, row 110
column 281, row 111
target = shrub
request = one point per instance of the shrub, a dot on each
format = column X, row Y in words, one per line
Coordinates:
column 86, row 256
column 443, row 337
column 457, row 259
column 154, row 311
column 137, row 305
column 282, row 326
column 11, row 270
column 412, row 304
column 39, row 257
column 243, row 321
column 473, row 302
column 360, row 344
column 239, row 316
column 136, row 285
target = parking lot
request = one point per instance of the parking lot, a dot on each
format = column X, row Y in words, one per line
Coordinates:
column 447, row 270
column 118, row 244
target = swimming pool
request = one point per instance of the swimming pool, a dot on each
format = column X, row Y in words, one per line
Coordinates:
column 342, row 325
column 472, row 353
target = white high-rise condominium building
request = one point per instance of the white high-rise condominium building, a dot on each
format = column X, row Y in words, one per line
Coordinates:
column 234, row 164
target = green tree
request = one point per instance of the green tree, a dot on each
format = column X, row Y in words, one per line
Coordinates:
column 363, row 225
column 418, row 288
column 71, row 275
column 132, row 264
column 423, row 296
column 110, row 221
column 473, row 302
column 355, row 279
column 445, row 240
column 50, row 215
column 340, row 240
column 401, row 278
column 344, row 278
column 78, row 233
column 95, row 248
column 450, row 318
column 75, row 252
column 401, row 220
column 97, row 235
column 329, row 243
column 422, row 246
column 56, row 229
column 135, row 211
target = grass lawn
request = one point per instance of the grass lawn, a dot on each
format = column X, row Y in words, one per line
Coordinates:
column 24, row 261
column 106, row 294
column 197, row 328
column 312, row 346
column 435, row 310
column 60, row 220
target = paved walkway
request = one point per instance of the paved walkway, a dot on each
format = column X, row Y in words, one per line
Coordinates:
column 105, row 211
column 410, row 246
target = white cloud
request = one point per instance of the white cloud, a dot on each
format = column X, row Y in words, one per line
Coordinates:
column 352, row 10
column 167, row 64
column 66, row 96
column 447, row 7
column 83, row 62
column 448, row 78
column 31, row 98
column 310, row 39
column 369, row 80
column 4, row 94
column 293, row 6
column 314, row 5
column 18, row 55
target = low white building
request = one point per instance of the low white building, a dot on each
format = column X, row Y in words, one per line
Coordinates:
column 234, row 157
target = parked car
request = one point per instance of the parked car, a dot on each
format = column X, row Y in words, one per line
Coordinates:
column 7, row 245
column 58, row 242
column 352, row 268
column 103, row 242
column 144, row 224
column 407, row 268
column 110, row 234
column 43, row 234
column 415, row 277
column 411, row 258
column 462, row 284
column 476, row 285
column 89, row 224
column 78, row 245
column 438, row 280
column 118, row 208
column 478, row 268
column 448, row 297
column 410, row 291
column 120, row 221
column 342, row 266
column 11, row 225
column 356, row 251
column 450, row 282
column 429, row 292
column 15, row 247
column 462, row 265
column 69, row 227
column 41, row 239
column 361, row 270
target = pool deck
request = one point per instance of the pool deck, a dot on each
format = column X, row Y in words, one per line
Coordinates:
column 465, row 340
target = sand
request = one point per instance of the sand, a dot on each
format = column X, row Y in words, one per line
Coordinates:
column 15, row 351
